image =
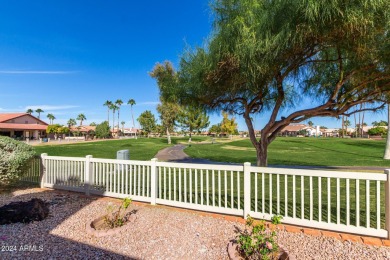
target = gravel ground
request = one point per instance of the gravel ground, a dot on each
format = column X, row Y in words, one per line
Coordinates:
column 157, row 233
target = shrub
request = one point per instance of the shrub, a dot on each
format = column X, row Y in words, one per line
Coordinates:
column 377, row 131
column 102, row 130
column 117, row 218
column 15, row 159
column 258, row 242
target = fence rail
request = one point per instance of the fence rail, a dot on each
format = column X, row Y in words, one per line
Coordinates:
column 33, row 173
column 339, row 201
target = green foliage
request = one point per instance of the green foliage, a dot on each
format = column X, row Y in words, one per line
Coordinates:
column 57, row 129
column 215, row 129
column 103, row 130
column 92, row 124
column 192, row 119
column 71, row 122
column 117, row 218
column 380, row 123
column 168, row 114
column 147, row 121
column 81, row 117
column 258, row 242
column 228, row 125
column 377, row 131
column 15, row 159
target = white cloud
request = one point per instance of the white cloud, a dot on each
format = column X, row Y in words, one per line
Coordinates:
column 49, row 107
column 36, row 72
column 148, row 103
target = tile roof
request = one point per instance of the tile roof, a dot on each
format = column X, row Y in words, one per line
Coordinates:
column 83, row 128
column 294, row 127
column 8, row 116
column 22, row 126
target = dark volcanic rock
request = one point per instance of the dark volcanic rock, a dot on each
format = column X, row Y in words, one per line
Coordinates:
column 25, row 212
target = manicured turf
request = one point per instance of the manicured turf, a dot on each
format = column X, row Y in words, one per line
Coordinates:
column 140, row 149
column 298, row 151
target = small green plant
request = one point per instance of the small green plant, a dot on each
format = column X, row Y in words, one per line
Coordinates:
column 117, row 218
column 258, row 242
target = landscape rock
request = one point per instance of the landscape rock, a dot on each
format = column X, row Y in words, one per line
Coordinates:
column 24, row 211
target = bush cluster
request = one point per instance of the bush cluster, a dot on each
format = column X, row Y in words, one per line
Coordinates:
column 15, row 158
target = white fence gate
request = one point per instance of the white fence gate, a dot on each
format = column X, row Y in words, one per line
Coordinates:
column 352, row 202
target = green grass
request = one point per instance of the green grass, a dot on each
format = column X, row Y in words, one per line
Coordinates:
column 191, row 192
column 298, row 151
column 140, row 149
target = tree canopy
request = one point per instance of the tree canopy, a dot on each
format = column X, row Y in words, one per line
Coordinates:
column 333, row 55
column 192, row 119
column 147, row 121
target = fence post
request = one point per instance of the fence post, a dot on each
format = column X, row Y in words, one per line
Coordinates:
column 43, row 170
column 387, row 202
column 88, row 174
column 153, row 182
column 247, row 189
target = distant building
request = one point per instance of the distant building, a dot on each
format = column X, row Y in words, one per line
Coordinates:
column 22, row 126
column 300, row 130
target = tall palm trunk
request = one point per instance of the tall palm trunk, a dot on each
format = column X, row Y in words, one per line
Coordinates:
column 132, row 116
column 387, row 150
column 113, row 121
column 108, row 115
column 118, row 120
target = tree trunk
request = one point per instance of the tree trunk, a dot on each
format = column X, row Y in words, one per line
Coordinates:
column 387, row 150
column 262, row 153
column 168, row 136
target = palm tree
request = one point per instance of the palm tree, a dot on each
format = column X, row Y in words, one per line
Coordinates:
column 71, row 122
column 310, row 123
column 81, row 117
column 118, row 103
column 123, row 127
column 113, row 107
column 51, row 118
column 39, row 111
column 29, row 111
column 131, row 102
column 108, row 103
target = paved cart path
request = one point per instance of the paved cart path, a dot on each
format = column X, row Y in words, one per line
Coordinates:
column 176, row 154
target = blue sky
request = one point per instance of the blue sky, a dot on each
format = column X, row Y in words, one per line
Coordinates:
column 69, row 57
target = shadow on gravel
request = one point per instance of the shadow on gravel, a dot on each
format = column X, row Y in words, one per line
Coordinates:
column 36, row 240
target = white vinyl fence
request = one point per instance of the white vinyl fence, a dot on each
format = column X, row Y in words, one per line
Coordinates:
column 339, row 201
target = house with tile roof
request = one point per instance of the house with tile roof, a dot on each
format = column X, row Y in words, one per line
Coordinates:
column 22, row 126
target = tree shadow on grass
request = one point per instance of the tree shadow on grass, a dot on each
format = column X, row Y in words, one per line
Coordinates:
column 38, row 240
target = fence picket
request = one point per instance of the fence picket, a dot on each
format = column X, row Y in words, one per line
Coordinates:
column 277, row 195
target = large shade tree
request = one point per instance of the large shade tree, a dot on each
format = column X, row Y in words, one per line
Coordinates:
column 168, row 109
column 331, row 55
